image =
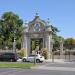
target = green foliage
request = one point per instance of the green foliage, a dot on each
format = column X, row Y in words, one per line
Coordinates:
column 33, row 45
column 45, row 52
column 69, row 43
column 55, row 30
column 57, row 40
column 16, row 65
column 55, row 37
column 22, row 53
column 10, row 26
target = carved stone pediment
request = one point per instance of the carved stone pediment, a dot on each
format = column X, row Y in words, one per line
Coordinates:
column 36, row 25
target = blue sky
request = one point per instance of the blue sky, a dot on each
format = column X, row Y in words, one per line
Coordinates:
column 60, row 12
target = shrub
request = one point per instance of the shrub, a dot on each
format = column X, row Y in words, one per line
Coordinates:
column 22, row 52
column 45, row 52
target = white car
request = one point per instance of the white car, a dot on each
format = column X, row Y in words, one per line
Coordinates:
column 33, row 58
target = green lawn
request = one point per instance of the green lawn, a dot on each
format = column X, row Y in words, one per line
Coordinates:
column 16, row 65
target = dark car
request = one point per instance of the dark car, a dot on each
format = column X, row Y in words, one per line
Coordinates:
column 13, row 57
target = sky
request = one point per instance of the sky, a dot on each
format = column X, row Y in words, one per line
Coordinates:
column 60, row 12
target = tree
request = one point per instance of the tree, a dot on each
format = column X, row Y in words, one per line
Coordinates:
column 11, row 26
column 56, row 38
column 69, row 43
column 55, row 30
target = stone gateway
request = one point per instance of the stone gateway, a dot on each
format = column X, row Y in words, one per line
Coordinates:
column 37, row 35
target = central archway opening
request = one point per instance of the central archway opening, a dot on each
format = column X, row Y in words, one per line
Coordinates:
column 36, row 43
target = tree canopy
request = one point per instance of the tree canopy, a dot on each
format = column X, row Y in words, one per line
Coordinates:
column 56, row 38
column 69, row 43
column 11, row 26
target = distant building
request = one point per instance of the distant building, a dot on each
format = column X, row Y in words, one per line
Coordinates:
column 37, row 35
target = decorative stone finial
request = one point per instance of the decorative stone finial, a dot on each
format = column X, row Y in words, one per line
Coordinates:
column 48, row 21
column 37, row 14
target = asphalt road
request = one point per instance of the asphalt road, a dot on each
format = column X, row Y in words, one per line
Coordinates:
column 43, row 69
column 71, row 65
column 33, row 72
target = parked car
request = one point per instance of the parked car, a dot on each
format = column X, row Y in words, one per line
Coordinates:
column 33, row 58
column 8, row 57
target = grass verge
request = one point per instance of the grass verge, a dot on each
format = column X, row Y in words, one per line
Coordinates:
column 16, row 65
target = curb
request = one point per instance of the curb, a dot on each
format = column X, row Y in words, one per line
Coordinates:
column 58, row 61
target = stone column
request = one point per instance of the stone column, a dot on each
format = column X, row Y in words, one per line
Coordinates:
column 28, row 45
column 61, row 49
column 46, row 42
column 43, row 42
column 14, row 46
column 24, row 46
column 49, row 47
